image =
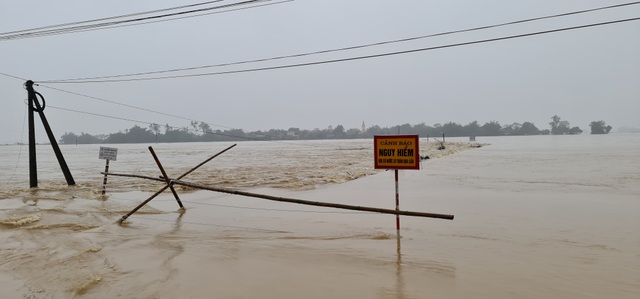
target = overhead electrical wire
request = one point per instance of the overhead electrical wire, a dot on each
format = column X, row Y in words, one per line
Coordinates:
column 64, row 30
column 12, row 76
column 193, row 16
column 148, row 110
column 126, row 105
column 138, row 108
column 350, row 58
column 129, row 106
column 338, row 60
column 109, row 101
column 13, row 173
column 34, row 32
column 351, row 47
column 170, row 127
column 149, row 123
column 110, row 18
column 182, row 17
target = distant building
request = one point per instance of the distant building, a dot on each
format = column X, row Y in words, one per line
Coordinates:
column 363, row 127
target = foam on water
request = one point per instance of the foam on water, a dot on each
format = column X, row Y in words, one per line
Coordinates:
column 21, row 220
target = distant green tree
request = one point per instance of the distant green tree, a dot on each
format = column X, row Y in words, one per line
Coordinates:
column 339, row 132
column 374, row 130
column 575, row 131
column 205, row 127
column 353, row 133
column 529, row 128
column 561, row 127
column 177, row 135
column 512, row 129
column 555, row 123
column 564, row 127
column 68, row 138
column 599, row 127
column 138, row 134
column 85, row 138
column 492, row 128
column 405, row 129
column 155, row 128
column 421, row 129
column 472, row 129
column 194, row 124
column 452, row 129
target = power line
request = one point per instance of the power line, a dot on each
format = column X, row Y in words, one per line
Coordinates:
column 116, row 103
column 148, row 123
column 171, row 127
column 35, row 33
column 354, row 58
column 126, row 105
column 348, row 48
column 192, row 16
column 109, row 18
column 14, row 77
column 24, row 120
column 138, row 108
column 106, row 25
column 320, row 62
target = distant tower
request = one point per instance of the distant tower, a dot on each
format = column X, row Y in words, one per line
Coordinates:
column 363, row 127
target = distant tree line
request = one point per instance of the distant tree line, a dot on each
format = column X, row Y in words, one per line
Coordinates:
column 562, row 127
column 202, row 132
column 599, row 127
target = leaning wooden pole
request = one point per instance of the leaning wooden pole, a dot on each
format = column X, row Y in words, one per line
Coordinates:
column 281, row 199
column 313, row 203
column 166, row 177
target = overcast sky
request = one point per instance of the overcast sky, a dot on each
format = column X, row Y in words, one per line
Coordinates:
column 581, row 75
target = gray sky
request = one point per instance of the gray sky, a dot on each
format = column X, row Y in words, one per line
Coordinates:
column 581, row 75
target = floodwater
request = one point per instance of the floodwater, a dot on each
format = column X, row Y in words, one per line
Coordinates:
column 535, row 217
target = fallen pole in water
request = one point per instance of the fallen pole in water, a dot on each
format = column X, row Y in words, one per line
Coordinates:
column 134, row 176
column 313, row 203
column 290, row 200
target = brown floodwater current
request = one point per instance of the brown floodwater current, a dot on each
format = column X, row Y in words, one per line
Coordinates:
column 535, row 217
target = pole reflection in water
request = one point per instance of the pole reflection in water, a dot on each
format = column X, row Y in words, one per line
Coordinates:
column 399, row 280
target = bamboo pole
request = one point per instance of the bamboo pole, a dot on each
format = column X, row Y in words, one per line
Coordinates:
column 313, row 203
column 290, row 200
column 167, row 186
column 166, row 178
column 133, row 176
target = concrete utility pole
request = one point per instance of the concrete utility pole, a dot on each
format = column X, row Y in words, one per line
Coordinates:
column 34, row 106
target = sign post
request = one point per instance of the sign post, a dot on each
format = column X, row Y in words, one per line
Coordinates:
column 396, row 152
column 107, row 153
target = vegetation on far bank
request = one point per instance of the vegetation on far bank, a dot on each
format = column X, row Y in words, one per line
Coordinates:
column 202, row 132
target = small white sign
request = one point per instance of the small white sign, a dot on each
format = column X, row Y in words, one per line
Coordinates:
column 108, row 153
